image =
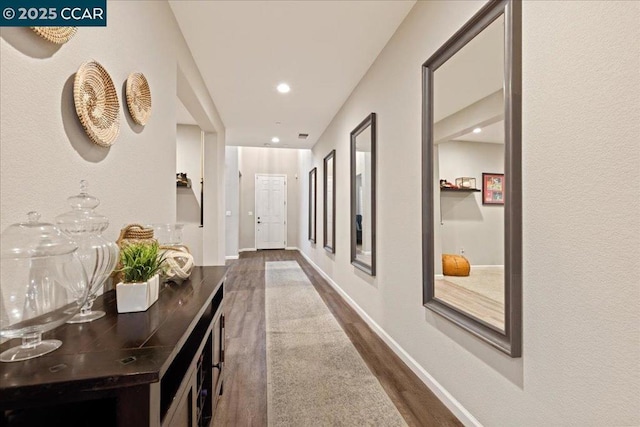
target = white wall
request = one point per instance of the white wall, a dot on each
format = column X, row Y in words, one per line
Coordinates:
column 581, row 234
column 189, row 160
column 44, row 151
column 213, row 252
column 232, row 202
column 467, row 224
column 253, row 160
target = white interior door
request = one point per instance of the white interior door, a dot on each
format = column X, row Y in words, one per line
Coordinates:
column 271, row 211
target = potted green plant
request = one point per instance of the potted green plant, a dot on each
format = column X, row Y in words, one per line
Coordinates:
column 141, row 265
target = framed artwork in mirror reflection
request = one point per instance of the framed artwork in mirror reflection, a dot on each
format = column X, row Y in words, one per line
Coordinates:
column 493, row 189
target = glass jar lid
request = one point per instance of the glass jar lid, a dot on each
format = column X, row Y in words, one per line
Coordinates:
column 34, row 239
column 82, row 218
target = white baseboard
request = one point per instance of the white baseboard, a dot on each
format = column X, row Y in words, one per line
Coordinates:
column 488, row 266
column 231, row 257
column 288, row 248
column 445, row 397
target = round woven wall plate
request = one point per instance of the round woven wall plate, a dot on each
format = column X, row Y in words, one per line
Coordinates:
column 97, row 103
column 138, row 98
column 58, row 35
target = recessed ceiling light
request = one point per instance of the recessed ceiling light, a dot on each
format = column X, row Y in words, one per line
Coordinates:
column 283, row 88
column 275, row 139
column 477, row 130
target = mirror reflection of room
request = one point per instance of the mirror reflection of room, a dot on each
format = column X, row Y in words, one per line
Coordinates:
column 330, row 203
column 469, row 140
column 312, row 204
column 329, row 196
column 363, row 197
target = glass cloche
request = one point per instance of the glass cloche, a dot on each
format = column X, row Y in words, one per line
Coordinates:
column 98, row 255
column 42, row 285
column 168, row 234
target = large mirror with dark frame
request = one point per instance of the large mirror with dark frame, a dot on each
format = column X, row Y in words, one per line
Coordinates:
column 471, row 184
column 312, row 204
column 329, row 218
column 363, row 195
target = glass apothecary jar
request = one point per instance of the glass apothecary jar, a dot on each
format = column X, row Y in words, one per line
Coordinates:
column 42, row 285
column 168, row 234
column 178, row 259
column 98, row 256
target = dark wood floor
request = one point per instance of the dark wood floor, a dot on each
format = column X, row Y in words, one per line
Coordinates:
column 244, row 402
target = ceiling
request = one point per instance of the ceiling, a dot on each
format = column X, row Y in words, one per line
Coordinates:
column 183, row 116
column 460, row 82
column 493, row 133
column 244, row 49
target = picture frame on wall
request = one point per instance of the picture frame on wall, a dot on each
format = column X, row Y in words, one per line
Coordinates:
column 493, row 189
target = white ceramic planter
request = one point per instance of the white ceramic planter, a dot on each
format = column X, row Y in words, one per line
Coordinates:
column 132, row 297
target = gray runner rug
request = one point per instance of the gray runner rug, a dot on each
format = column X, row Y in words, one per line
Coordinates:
column 315, row 376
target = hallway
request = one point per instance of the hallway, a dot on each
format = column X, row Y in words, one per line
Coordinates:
column 244, row 401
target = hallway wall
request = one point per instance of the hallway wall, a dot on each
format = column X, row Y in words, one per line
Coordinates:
column 232, row 202
column 44, row 151
column 189, row 161
column 581, row 181
column 253, row 160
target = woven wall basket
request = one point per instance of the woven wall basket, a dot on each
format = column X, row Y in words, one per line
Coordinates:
column 138, row 98
column 58, row 35
column 97, row 103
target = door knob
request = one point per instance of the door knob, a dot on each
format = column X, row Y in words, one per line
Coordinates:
column 259, row 222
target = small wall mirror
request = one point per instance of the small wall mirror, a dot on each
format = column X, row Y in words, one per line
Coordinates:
column 363, row 195
column 312, row 204
column 472, row 177
column 329, row 225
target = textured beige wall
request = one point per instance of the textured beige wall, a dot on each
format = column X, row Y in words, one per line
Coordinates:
column 232, row 202
column 189, row 161
column 253, row 160
column 581, row 164
column 44, row 151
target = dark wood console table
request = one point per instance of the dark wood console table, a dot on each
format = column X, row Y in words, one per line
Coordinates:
column 161, row 367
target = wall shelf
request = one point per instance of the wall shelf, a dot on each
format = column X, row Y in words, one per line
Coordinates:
column 460, row 190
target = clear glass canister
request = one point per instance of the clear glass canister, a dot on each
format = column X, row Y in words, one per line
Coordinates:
column 98, row 255
column 168, row 234
column 42, row 285
column 178, row 259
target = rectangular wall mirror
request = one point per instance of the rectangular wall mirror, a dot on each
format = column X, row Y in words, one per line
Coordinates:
column 363, row 195
column 329, row 225
column 471, row 183
column 312, row 204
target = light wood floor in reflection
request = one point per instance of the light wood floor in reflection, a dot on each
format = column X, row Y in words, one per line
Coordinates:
column 474, row 303
column 363, row 256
